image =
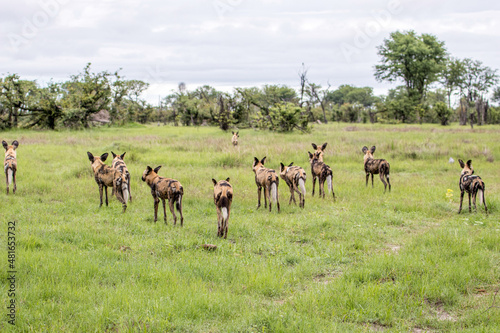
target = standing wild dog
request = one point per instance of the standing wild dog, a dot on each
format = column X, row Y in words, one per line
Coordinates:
column 10, row 164
column 234, row 140
column 106, row 176
column 164, row 189
column 295, row 178
column 471, row 184
column 223, row 196
column 376, row 166
column 120, row 165
column 320, row 150
column 321, row 171
column 268, row 179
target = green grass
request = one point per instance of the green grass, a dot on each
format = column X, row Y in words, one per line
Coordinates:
column 403, row 261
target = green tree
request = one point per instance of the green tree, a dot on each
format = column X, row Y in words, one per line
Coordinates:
column 443, row 112
column 86, row 94
column 414, row 60
column 452, row 76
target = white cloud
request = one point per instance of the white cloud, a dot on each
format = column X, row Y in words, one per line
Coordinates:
column 246, row 43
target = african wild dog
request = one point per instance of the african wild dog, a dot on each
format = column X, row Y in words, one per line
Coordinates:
column 10, row 164
column 120, row 165
column 295, row 178
column 234, row 140
column 268, row 179
column 376, row 166
column 223, row 196
column 320, row 150
column 106, row 176
column 164, row 189
column 321, row 171
column 471, row 184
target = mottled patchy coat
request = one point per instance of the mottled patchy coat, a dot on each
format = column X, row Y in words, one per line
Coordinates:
column 376, row 166
column 223, row 197
column 106, row 176
column 471, row 184
column 234, row 139
column 267, row 179
column 10, row 164
column 321, row 171
column 164, row 189
column 295, row 178
column 120, row 165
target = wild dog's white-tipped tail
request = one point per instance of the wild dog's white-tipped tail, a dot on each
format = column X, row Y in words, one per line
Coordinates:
column 274, row 192
column 480, row 195
column 302, row 186
column 224, row 213
column 329, row 182
column 126, row 195
column 9, row 175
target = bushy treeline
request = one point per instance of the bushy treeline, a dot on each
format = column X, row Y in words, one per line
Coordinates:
column 88, row 99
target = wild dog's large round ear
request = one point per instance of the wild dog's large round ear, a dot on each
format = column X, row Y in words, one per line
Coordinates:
column 232, row 132
column 114, row 155
column 238, row 133
column 372, row 149
column 104, row 157
column 5, row 145
column 314, row 146
column 282, row 166
column 364, row 149
column 148, row 169
column 157, row 168
column 290, row 164
column 469, row 163
column 15, row 144
column 324, row 146
column 89, row 154
column 263, row 160
column 227, row 179
column 255, row 161
column 462, row 164
column 123, row 155
column 310, row 155
column 214, row 181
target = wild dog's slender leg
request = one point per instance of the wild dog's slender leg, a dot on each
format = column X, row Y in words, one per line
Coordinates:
column 259, row 190
column 367, row 178
column 100, row 195
column 171, row 206
column 470, row 210
column 7, row 180
column 226, row 224
column 474, row 201
column 461, row 200
column 388, row 182
column 292, row 196
column 372, row 180
column 180, row 210
column 106, row 192
column 157, row 201
column 219, row 223
column 321, row 187
column 266, row 195
column 277, row 199
column 128, row 185
column 484, row 202
column 383, row 181
column 14, row 180
column 314, row 184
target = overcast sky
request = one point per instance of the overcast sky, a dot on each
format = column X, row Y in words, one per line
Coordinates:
column 232, row 43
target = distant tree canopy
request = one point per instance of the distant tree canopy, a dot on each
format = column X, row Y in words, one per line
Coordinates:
column 430, row 78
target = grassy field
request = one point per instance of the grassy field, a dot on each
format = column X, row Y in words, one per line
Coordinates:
column 403, row 261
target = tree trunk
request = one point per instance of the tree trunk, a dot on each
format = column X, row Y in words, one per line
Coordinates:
column 463, row 111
